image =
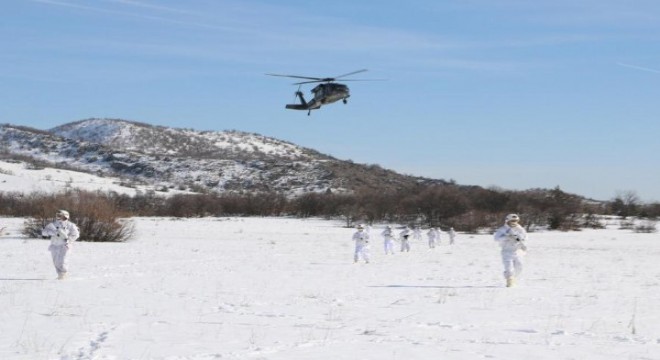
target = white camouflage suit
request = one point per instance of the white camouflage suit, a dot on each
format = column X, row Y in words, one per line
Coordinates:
column 452, row 236
column 62, row 233
column 388, row 240
column 403, row 236
column 417, row 233
column 434, row 237
column 361, row 239
column 512, row 241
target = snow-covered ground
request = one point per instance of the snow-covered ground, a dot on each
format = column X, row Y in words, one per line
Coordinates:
column 19, row 177
column 279, row 288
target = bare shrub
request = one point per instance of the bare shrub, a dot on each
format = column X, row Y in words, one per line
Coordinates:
column 6, row 172
column 651, row 211
column 647, row 226
column 32, row 227
column 626, row 224
column 592, row 221
column 473, row 221
column 96, row 216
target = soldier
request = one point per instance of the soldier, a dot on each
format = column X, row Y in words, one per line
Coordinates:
column 403, row 236
column 511, row 237
column 62, row 234
column 434, row 237
column 452, row 236
column 361, row 239
column 388, row 238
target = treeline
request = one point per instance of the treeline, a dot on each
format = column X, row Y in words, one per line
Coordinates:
column 464, row 208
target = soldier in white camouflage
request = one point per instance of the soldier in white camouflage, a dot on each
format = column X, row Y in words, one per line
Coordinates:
column 62, row 234
column 361, row 239
column 511, row 237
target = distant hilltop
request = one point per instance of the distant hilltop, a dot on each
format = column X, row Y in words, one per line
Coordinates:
column 197, row 161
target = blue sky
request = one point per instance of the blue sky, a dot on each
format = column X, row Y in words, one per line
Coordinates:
column 513, row 94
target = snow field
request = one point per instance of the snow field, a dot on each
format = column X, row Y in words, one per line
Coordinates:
column 281, row 288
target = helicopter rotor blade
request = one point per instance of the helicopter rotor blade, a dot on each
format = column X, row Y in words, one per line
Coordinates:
column 364, row 80
column 298, row 77
column 311, row 81
column 350, row 73
column 332, row 79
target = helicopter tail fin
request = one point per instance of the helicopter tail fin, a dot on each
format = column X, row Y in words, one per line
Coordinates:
column 303, row 103
column 296, row 106
column 302, row 98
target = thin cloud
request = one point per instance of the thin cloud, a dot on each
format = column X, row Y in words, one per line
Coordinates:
column 134, row 15
column 65, row 4
column 640, row 68
column 140, row 4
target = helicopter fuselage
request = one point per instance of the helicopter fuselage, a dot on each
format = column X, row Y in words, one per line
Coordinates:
column 325, row 93
column 330, row 92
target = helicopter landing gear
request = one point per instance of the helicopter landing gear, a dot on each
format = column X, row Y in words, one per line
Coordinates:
column 309, row 112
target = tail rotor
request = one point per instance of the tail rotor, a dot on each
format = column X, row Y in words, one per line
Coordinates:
column 296, row 94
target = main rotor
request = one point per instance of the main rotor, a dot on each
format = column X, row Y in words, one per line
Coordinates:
column 311, row 80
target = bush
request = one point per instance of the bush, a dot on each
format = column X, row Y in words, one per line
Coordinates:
column 592, row 221
column 96, row 216
column 645, row 227
column 627, row 224
column 32, row 227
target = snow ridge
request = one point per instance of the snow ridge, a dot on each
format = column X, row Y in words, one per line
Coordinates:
column 196, row 161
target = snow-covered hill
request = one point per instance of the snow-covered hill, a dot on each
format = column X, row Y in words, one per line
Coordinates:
column 159, row 140
column 189, row 160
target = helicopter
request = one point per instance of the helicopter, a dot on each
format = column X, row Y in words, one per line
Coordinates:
column 327, row 92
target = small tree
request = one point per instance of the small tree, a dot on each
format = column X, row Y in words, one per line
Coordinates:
column 626, row 203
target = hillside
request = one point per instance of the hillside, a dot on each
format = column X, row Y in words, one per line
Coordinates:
column 190, row 160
